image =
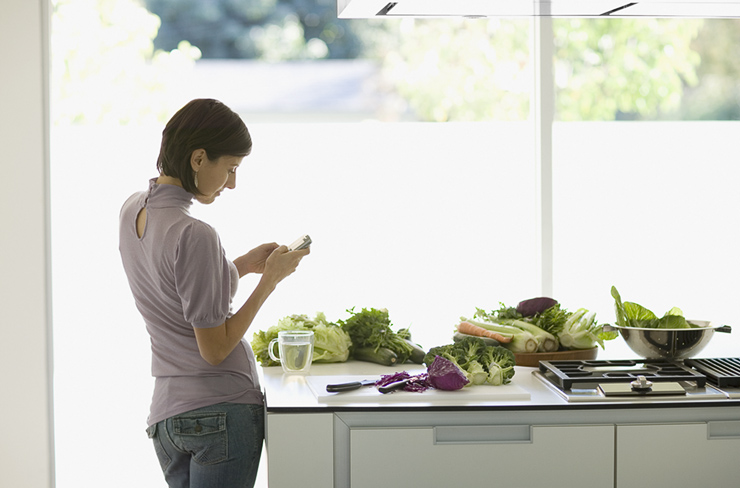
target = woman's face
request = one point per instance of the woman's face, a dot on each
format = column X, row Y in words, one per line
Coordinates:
column 214, row 176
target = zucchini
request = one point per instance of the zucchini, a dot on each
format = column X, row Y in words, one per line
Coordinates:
column 382, row 356
column 417, row 355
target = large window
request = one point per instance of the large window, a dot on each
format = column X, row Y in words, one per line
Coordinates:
column 646, row 202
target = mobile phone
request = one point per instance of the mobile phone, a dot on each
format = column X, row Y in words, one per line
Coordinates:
column 300, row 243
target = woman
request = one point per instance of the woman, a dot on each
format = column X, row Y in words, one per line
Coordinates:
column 206, row 417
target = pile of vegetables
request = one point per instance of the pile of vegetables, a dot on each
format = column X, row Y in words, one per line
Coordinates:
column 536, row 325
column 478, row 362
column 630, row 314
column 374, row 340
column 442, row 374
column 454, row 366
column 331, row 343
column 366, row 336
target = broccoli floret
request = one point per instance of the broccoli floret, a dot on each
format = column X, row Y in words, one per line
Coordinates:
column 470, row 349
column 476, row 373
column 436, row 351
column 500, row 362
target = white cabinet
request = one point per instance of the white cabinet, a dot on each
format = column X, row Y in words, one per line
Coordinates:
column 505, row 455
column 658, row 455
column 300, row 449
column 678, row 455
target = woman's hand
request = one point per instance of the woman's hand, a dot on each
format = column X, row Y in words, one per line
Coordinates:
column 254, row 261
column 282, row 263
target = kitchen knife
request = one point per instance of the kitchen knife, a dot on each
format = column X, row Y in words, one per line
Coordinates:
column 352, row 385
column 397, row 385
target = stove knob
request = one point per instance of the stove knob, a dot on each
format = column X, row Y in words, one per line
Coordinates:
column 642, row 384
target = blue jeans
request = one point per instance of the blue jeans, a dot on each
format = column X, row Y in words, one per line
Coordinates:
column 212, row 447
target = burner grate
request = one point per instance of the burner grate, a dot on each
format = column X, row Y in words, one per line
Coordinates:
column 565, row 374
column 723, row 372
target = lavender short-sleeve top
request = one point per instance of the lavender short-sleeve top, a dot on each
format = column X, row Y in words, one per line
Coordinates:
column 181, row 279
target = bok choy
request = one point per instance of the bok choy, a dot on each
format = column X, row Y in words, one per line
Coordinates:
column 582, row 332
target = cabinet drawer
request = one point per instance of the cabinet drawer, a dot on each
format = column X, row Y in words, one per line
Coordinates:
column 678, row 455
column 512, row 455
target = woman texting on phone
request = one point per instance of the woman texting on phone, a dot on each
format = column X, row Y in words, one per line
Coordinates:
column 206, row 418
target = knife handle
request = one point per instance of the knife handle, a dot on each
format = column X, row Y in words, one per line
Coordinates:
column 352, row 385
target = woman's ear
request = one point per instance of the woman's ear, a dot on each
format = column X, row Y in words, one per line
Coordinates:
column 197, row 158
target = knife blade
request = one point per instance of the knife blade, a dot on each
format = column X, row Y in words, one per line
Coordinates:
column 349, row 386
column 395, row 385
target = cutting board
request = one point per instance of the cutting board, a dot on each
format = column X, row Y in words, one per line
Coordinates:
column 477, row 394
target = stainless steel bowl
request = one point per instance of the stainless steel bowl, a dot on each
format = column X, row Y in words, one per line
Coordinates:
column 669, row 343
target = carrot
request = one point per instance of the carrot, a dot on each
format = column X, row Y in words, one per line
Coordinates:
column 467, row 328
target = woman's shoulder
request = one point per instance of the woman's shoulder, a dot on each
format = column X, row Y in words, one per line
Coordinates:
column 133, row 203
column 193, row 229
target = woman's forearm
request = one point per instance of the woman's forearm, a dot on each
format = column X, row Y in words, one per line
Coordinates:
column 242, row 266
column 237, row 324
column 215, row 344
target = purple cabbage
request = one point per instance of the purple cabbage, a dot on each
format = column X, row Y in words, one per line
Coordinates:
column 387, row 379
column 534, row 306
column 446, row 375
column 418, row 383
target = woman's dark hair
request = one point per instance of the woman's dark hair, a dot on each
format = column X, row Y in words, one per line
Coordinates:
column 201, row 124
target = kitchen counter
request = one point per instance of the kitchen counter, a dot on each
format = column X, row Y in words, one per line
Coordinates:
column 298, row 393
column 592, row 444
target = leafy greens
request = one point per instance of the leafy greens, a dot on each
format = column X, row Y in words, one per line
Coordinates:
column 630, row 314
column 550, row 320
column 372, row 328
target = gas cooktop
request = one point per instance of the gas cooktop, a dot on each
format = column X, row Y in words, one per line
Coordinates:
column 642, row 380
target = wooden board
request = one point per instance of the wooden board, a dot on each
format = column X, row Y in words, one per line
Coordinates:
column 477, row 394
column 533, row 359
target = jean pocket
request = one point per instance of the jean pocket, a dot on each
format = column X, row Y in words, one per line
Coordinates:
column 162, row 456
column 204, row 436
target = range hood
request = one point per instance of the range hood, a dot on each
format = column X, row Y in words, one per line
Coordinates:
column 365, row 9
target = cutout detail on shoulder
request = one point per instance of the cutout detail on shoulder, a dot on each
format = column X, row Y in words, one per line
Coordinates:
column 141, row 222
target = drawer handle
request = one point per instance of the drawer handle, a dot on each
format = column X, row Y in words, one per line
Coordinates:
column 483, row 434
column 723, row 429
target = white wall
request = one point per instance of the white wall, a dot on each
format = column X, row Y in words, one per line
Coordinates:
column 26, row 454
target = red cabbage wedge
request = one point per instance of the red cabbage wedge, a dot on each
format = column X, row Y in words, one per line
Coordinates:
column 446, row 375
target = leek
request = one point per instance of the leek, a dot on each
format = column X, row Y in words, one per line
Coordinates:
column 546, row 342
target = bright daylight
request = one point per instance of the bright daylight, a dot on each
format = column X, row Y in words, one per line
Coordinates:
column 522, row 232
